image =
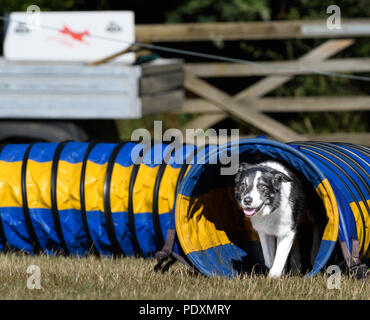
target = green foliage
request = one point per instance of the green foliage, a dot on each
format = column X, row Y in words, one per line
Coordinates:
column 46, row 5
column 314, row 9
column 220, row 10
column 250, row 10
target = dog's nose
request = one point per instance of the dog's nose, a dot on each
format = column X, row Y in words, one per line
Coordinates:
column 247, row 201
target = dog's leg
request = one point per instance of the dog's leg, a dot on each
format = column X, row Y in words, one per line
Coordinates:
column 284, row 244
column 271, row 241
column 268, row 248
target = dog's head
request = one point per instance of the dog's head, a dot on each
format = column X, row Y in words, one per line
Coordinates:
column 257, row 188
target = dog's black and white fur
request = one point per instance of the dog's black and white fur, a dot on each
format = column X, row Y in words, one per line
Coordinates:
column 272, row 197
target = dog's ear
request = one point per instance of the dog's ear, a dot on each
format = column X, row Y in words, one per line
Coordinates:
column 241, row 168
column 244, row 166
column 280, row 177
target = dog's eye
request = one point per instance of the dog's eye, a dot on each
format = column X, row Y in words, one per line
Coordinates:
column 242, row 188
column 261, row 187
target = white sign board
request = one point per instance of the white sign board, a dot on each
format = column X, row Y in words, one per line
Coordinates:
column 70, row 36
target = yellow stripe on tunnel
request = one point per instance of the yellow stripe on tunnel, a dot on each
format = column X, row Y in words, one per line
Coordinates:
column 367, row 225
column 166, row 194
column 120, row 188
column 368, row 230
column 359, row 223
column 68, row 185
column 210, row 220
column 327, row 196
column 94, row 186
column 196, row 233
column 38, row 184
column 10, row 184
column 142, row 197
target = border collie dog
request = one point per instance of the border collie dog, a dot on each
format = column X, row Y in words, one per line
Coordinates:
column 272, row 197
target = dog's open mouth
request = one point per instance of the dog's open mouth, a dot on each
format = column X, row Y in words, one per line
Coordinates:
column 252, row 211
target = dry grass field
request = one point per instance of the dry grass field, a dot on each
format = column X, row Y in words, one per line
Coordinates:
column 132, row 278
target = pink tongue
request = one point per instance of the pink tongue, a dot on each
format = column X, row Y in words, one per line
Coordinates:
column 249, row 212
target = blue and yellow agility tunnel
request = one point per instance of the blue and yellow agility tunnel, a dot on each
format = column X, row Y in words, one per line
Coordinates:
column 123, row 199
column 338, row 173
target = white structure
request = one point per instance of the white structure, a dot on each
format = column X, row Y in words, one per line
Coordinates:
column 49, row 90
column 69, row 36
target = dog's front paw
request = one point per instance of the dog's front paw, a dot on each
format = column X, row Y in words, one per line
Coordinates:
column 274, row 274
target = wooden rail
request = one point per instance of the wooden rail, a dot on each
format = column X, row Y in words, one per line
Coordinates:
column 264, row 30
column 272, row 105
column 214, row 70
